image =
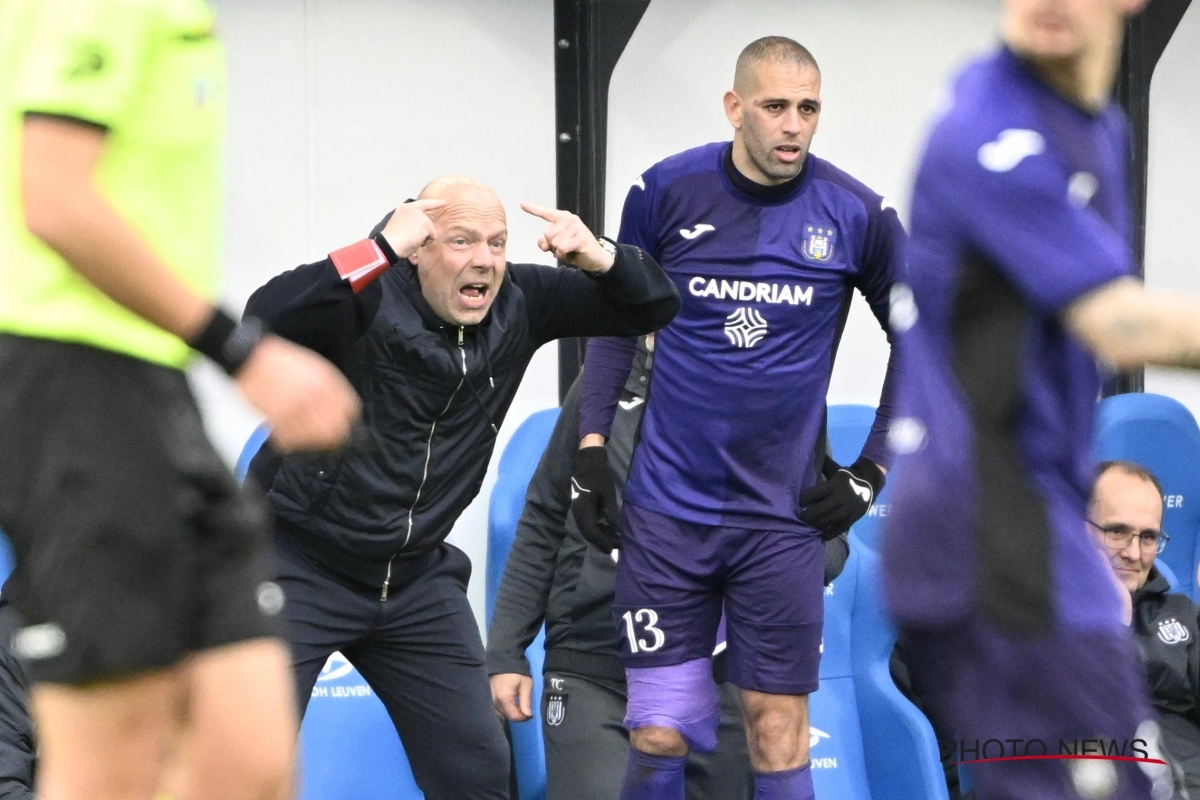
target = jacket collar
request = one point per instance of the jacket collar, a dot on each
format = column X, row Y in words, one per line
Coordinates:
column 1155, row 584
column 416, row 298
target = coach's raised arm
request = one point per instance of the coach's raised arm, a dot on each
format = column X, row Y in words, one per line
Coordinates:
column 434, row 329
column 460, row 273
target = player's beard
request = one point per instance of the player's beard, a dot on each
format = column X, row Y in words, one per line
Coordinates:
column 764, row 158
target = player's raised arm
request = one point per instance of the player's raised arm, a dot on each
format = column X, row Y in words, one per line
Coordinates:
column 1127, row 326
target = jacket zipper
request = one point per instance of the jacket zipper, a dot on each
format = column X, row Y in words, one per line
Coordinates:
column 387, row 579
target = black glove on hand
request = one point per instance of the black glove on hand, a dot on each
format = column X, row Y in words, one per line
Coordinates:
column 841, row 500
column 594, row 498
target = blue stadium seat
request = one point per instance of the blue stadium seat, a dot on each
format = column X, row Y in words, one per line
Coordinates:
column 867, row 740
column 250, row 449
column 517, row 464
column 7, row 559
column 1160, row 434
column 349, row 749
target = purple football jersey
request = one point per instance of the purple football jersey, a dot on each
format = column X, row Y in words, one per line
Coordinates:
column 735, row 416
column 1020, row 207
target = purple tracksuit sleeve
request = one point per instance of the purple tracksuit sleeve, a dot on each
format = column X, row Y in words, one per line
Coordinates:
column 883, row 266
column 607, row 366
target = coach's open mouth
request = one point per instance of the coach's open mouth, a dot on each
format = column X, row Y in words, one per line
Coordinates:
column 474, row 295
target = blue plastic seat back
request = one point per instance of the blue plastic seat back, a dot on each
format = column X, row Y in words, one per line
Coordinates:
column 901, row 750
column 895, row 754
column 250, row 449
column 836, row 635
column 835, row 735
column 7, row 559
column 349, row 749
column 517, row 464
column 1160, row 434
column 835, row 742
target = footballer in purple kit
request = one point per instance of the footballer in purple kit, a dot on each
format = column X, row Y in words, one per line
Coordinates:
column 1020, row 276
column 730, row 492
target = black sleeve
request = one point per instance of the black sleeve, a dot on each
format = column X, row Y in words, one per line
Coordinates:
column 315, row 307
column 18, row 754
column 634, row 297
column 529, row 571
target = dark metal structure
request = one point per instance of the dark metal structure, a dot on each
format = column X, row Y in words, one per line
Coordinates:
column 591, row 35
column 1146, row 39
column 589, row 38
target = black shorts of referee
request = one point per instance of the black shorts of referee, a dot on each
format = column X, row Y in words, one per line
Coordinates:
column 134, row 545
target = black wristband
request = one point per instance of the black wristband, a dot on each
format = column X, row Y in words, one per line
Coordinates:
column 227, row 342
column 386, row 248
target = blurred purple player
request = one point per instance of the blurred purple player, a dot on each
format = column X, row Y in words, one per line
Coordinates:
column 1019, row 269
column 730, row 492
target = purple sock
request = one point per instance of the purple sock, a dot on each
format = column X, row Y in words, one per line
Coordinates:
column 791, row 784
column 650, row 777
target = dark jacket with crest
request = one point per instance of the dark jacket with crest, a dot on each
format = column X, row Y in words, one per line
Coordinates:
column 1168, row 633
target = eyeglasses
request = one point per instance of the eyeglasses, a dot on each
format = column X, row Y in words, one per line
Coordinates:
column 1118, row 535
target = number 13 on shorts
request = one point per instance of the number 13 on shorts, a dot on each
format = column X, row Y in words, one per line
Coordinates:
column 650, row 637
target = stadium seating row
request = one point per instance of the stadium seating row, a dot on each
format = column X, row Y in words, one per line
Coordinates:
column 867, row 741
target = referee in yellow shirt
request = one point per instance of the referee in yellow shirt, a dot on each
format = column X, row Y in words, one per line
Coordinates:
column 141, row 578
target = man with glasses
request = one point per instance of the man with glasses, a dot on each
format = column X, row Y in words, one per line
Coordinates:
column 1126, row 514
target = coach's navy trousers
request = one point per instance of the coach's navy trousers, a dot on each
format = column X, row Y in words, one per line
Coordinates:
column 420, row 652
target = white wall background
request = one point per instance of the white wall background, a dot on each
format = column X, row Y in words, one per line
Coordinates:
column 342, row 108
column 339, row 110
column 1172, row 235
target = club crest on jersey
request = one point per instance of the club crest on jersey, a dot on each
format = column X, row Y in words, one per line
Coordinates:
column 818, row 242
column 745, row 327
column 1172, row 631
column 556, row 709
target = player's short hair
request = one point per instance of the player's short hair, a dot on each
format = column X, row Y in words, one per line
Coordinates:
column 1130, row 468
column 772, row 48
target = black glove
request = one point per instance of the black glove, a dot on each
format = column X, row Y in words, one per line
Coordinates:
column 842, row 498
column 594, row 498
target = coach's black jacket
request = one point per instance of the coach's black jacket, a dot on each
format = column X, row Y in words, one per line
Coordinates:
column 1168, row 634
column 433, row 395
column 553, row 574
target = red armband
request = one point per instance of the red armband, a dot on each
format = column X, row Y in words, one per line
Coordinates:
column 359, row 263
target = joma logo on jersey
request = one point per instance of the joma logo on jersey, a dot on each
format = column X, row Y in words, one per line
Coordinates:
column 752, row 292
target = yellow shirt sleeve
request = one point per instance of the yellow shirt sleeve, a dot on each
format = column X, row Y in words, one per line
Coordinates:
column 84, row 58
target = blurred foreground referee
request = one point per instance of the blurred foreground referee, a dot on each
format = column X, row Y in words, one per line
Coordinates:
column 141, row 576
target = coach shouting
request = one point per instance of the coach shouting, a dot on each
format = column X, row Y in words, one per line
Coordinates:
column 434, row 330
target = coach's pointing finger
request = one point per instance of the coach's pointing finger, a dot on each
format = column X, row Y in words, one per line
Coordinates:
column 571, row 241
